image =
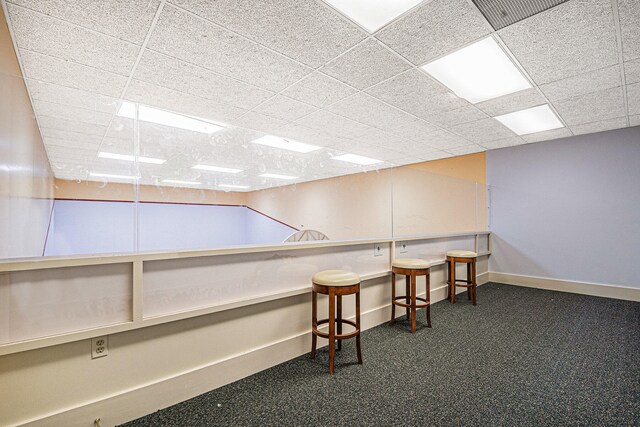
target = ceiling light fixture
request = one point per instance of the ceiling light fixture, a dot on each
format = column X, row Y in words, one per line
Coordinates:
column 216, row 169
column 177, row 181
column 373, row 15
column 285, row 144
column 129, row 158
column 531, row 120
column 166, row 118
column 359, row 160
column 114, row 176
column 278, row 176
column 233, row 186
column 478, row 72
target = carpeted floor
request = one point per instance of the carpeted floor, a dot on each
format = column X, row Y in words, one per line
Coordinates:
column 521, row 357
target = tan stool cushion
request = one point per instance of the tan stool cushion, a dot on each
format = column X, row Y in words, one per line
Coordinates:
column 410, row 263
column 336, row 278
column 462, row 254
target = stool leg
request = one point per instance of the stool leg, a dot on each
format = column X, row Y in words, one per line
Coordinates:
column 339, row 297
column 469, row 281
column 407, row 294
column 449, row 280
column 358, row 327
column 428, row 298
column 473, row 278
column 413, row 302
column 393, row 298
column 453, row 282
column 314, row 323
column 332, row 329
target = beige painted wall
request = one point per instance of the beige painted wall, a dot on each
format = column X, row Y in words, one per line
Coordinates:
column 26, row 181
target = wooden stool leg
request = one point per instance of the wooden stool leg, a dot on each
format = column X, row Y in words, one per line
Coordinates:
column 449, row 280
column 332, row 329
column 469, row 281
column 339, row 297
column 413, row 302
column 453, row 281
column 407, row 294
column 473, row 278
column 314, row 322
column 393, row 298
column 358, row 327
column 428, row 298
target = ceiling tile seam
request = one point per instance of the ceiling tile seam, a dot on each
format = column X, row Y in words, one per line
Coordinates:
column 19, row 57
column 156, row 17
column 623, row 76
column 55, row 18
column 180, row 8
column 343, row 16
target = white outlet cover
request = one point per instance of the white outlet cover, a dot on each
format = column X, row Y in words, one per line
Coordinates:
column 403, row 248
column 99, row 347
column 377, row 249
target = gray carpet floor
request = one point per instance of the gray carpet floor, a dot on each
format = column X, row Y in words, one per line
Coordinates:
column 521, row 357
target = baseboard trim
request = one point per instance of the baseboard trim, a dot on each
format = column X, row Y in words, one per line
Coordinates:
column 148, row 398
column 584, row 288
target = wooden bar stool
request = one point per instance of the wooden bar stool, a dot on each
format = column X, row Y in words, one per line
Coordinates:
column 411, row 268
column 335, row 283
column 469, row 258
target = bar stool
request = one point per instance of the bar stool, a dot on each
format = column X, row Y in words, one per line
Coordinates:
column 469, row 258
column 411, row 268
column 335, row 283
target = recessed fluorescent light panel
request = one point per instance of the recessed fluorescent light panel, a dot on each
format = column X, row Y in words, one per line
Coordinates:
column 179, row 182
column 216, row 169
column 359, row 160
column 166, row 118
column 113, row 176
column 478, row 72
column 286, row 144
column 373, row 15
column 531, row 120
column 239, row 187
column 277, row 176
column 129, row 158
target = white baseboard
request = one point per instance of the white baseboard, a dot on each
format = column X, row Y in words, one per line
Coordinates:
column 584, row 288
column 149, row 398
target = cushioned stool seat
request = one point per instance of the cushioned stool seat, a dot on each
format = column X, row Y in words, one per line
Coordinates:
column 411, row 268
column 469, row 258
column 335, row 284
column 462, row 254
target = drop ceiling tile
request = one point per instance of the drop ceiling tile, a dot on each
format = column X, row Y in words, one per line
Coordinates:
column 43, row 91
column 466, row 149
column 630, row 27
column 283, row 108
column 72, row 154
column 458, row 116
column 71, row 136
column 365, row 65
column 436, row 28
column 319, row 90
column 513, row 102
column 82, row 144
column 444, row 140
column 305, row 30
column 48, row 123
column 66, row 73
column 633, row 98
column 418, row 94
column 599, row 126
column 305, row 134
column 435, row 155
column 369, row 150
column 71, row 113
column 582, row 84
column 546, row 135
column 502, row 143
column 482, row 131
column 333, row 124
column 180, row 102
column 632, row 71
column 592, row 107
column 416, row 130
column 260, row 122
column 569, row 39
column 634, row 120
column 375, row 136
column 125, row 20
column 371, row 111
column 188, row 78
column 40, row 33
column 191, row 39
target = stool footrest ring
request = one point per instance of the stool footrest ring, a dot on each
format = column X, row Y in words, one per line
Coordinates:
column 403, row 304
column 337, row 336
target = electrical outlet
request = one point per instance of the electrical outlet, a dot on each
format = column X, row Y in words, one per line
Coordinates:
column 99, row 347
column 377, row 249
column 403, row 248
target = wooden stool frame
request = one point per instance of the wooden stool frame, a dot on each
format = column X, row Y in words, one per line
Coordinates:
column 469, row 283
column 334, row 320
column 410, row 296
